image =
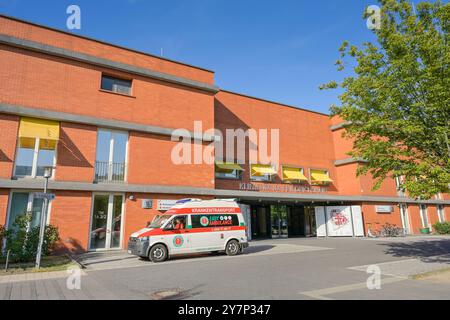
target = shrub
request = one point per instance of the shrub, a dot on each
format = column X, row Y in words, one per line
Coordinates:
column 23, row 241
column 442, row 228
column 2, row 235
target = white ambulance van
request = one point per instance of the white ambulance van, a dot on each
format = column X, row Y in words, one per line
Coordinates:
column 192, row 226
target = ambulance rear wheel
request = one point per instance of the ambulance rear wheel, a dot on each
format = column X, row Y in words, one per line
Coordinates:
column 233, row 248
column 158, row 253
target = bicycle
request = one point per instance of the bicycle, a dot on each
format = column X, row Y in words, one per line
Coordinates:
column 387, row 231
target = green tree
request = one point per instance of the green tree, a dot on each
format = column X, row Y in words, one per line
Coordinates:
column 397, row 101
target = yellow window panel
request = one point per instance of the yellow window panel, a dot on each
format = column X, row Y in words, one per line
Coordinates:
column 228, row 167
column 39, row 128
column 293, row 174
column 27, row 143
column 259, row 170
column 320, row 176
column 45, row 144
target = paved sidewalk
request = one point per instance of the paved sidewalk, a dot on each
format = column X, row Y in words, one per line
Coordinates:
column 34, row 276
column 272, row 269
column 410, row 267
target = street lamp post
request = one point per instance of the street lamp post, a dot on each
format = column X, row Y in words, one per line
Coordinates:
column 47, row 175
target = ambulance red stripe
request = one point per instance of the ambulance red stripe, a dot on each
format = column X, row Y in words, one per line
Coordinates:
column 161, row 232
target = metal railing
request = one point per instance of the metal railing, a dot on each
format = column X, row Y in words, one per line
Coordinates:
column 109, row 172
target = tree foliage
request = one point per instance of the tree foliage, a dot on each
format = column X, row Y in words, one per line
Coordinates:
column 398, row 99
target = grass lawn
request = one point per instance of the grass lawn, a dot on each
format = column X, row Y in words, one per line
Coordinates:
column 52, row 263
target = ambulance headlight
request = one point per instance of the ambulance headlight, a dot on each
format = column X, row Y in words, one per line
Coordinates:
column 144, row 239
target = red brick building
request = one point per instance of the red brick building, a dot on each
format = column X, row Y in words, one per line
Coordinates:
column 103, row 117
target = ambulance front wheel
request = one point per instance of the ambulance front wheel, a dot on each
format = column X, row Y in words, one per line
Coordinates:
column 233, row 248
column 158, row 253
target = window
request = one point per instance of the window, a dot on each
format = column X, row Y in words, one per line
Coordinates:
column 36, row 148
column 441, row 213
column 179, row 222
column 111, row 158
column 320, row 177
column 23, row 203
column 214, row 220
column 228, row 171
column 263, row 173
column 116, row 85
column 424, row 216
column 293, row 175
column 405, row 218
column 398, row 183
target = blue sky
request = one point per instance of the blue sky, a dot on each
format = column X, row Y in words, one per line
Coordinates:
column 276, row 50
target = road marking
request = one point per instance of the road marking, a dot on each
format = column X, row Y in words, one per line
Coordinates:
column 409, row 267
column 322, row 293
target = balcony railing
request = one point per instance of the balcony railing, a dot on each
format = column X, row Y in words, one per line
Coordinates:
column 110, row 172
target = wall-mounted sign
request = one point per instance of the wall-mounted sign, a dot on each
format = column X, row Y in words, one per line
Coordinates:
column 41, row 195
column 384, row 209
column 147, row 204
column 165, row 205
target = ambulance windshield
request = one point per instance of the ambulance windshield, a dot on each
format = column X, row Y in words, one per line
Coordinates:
column 159, row 221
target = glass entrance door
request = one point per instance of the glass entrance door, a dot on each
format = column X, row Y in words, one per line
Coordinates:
column 106, row 225
column 279, row 221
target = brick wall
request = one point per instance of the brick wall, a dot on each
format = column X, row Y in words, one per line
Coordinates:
column 8, row 142
column 44, row 35
column 4, row 198
column 70, row 212
column 76, row 152
column 75, row 88
column 150, row 163
column 377, row 220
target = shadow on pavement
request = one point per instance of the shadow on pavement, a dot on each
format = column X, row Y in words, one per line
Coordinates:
column 249, row 250
column 426, row 251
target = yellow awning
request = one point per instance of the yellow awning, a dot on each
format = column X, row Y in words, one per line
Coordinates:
column 228, row 167
column 261, row 170
column 293, row 174
column 46, row 130
column 320, row 176
column 39, row 128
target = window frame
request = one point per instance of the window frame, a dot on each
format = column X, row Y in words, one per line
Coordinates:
column 423, row 209
column 35, row 160
column 114, row 77
column 441, row 213
column 239, row 173
column 111, row 152
column 29, row 205
column 260, row 179
column 294, row 181
column 326, row 171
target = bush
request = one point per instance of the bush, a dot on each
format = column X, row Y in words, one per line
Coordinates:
column 442, row 228
column 2, row 235
column 23, row 241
